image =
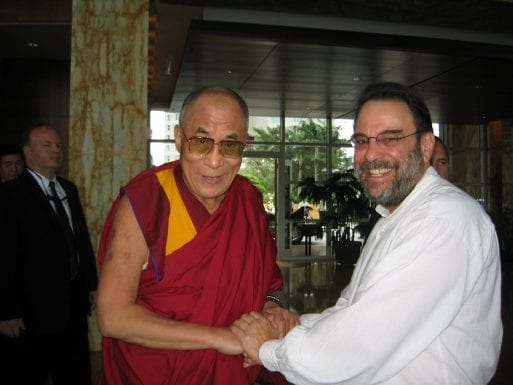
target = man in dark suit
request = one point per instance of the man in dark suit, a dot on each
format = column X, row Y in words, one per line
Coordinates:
column 47, row 270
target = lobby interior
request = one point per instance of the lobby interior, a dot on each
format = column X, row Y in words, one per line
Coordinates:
column 306, row 59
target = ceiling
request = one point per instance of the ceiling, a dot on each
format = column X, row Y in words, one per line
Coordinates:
column 311, row 58
column 308, row 65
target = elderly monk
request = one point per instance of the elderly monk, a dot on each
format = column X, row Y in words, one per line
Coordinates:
column 185, row 251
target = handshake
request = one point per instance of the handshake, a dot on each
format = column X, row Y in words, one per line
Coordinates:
column 254, row 328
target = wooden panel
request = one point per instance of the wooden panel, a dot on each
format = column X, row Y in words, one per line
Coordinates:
column 8, row 10
column 44, row 11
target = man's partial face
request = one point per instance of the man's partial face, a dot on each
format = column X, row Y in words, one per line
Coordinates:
column 11, row 165
column 43, row 153
column 209, row 176
column 440, row 160
column 389, row 173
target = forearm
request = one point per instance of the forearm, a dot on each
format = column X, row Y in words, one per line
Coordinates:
column 119, row 315
column 140, row 326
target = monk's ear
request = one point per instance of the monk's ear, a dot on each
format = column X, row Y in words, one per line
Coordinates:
column 427, row 145
column 178, row 137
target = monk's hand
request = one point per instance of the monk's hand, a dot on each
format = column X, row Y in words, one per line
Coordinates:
column 282, row 319
column 253, row 329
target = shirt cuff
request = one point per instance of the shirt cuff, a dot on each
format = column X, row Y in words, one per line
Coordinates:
column 267, row 354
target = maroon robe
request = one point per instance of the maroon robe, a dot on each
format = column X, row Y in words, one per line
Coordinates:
column 225, row 271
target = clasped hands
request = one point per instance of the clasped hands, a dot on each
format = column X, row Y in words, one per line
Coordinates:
column 254, row 328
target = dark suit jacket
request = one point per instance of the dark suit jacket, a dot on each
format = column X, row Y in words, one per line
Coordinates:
column 34, row 257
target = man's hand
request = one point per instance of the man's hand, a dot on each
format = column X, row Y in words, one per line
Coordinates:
column 11, row 328
column 253, row 329
column 282, row 319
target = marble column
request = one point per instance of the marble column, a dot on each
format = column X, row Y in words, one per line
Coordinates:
column 108, row 108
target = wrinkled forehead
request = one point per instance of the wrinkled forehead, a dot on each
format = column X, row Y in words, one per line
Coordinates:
column 217, row 99
column 215, row 110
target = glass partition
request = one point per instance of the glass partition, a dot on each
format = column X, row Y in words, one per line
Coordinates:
column 301, row 130
column 162, row 125
column 342, row 131
column 264, row 129
column 276, row 160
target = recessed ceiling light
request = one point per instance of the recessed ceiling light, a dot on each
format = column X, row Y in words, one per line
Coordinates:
column 33, row 44
column 229, row 72
column 169, row 66
column 356, row 78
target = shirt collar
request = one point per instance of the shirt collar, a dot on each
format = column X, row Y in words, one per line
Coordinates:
column 42, row 180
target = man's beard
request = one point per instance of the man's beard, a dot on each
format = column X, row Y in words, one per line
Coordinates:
column 408, row 174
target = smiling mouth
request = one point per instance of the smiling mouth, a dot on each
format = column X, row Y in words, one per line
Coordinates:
column 212, row 178
column 379, row 171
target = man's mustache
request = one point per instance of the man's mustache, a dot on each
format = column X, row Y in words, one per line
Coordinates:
column 373, row 165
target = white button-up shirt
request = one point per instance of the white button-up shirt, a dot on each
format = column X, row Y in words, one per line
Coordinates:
column 44, row 183
column 422, row 307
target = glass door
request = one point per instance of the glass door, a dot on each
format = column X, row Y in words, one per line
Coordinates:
column 295, row 237
column 262, row 169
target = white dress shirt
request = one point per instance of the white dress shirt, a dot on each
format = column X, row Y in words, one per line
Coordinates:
column 422, row 307
column 44, row 183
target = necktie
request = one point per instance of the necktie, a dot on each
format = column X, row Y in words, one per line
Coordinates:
column 70, row 238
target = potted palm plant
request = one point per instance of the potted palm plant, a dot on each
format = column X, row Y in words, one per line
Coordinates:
column 346, row 205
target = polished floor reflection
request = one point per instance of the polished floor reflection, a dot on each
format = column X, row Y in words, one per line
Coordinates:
column 311, row 287
column 313, row 281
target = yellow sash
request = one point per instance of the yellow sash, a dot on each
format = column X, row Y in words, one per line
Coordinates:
column 180, row 228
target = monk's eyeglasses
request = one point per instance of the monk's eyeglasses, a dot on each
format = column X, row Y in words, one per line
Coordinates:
column 386, row 139
column 199, row 145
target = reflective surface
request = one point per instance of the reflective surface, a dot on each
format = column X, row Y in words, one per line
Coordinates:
column 311, row 287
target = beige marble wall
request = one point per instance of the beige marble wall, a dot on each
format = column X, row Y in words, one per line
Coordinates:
column 108, row 109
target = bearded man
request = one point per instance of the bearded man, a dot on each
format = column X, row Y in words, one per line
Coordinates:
column 423, row 304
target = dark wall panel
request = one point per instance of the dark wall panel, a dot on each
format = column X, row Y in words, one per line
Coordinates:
column 33, row 91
